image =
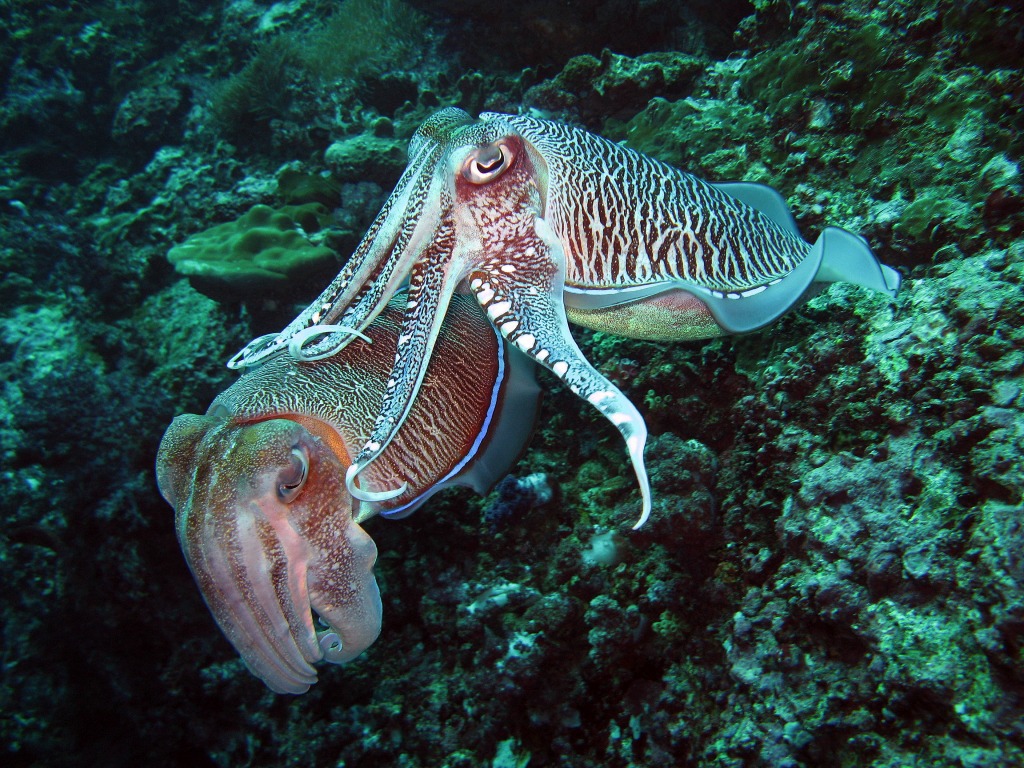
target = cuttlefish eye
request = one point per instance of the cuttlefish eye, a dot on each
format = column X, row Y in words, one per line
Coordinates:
column 487, row 163
column 293, row 475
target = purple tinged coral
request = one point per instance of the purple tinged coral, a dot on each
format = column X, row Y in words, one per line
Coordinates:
column 514, row 497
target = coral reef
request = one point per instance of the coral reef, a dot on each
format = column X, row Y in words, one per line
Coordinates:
column 832, row 574
column 264, row 253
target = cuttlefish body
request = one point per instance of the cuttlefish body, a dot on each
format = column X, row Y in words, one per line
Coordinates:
column 545, row 223
column 258, row 483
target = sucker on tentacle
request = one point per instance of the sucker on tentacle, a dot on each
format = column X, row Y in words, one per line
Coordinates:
column 549, row 224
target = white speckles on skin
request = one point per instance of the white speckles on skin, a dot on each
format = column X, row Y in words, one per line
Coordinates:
column 597, row 399
column 560, row 368
column 543, row 354
column 411, row 305
column 526, row 342
column 475, row 283
column 507, row 328
column 485, row 296
column 508, row 269
column 498, row 309
column 372, row 446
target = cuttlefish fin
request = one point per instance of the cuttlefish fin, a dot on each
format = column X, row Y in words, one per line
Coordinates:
column 764, row 199
column 525, row 304
column 846, row 257
column 836, row 256
column 839, row 255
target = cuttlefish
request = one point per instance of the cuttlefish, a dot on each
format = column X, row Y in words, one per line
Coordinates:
column 262, row 513
column 545, row 224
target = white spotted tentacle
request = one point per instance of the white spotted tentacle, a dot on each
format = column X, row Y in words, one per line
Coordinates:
column 618, row 409
column 358, row 493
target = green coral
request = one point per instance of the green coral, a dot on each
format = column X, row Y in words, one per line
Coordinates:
column 262, row 254
column 366, row 157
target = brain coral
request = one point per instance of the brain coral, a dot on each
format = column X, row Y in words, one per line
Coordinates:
column 263, row 253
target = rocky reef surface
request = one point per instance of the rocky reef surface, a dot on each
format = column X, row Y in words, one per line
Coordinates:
column 834, row 571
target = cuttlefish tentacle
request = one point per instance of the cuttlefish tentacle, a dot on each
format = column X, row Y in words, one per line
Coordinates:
column 297, row 343
column 432, row 282
column 370, row 278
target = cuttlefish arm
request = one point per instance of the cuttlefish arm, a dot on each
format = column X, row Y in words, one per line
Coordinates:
column 494, row 237
column 526, row 306
column 263, row 517
column 380, row 265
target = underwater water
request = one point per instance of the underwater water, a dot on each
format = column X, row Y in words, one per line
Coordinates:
column 833, row 569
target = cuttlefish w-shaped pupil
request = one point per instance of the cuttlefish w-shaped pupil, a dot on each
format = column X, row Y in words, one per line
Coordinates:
column 490, row 165
column 486, row 164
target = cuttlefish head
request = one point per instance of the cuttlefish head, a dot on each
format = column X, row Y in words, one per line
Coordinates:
column 266, row 527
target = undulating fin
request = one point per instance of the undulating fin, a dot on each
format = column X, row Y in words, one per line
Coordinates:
column 847, row 258
column 764, row 199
